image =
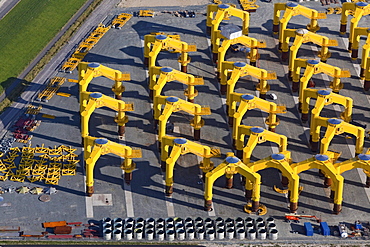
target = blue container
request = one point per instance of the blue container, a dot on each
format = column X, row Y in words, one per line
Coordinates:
column 325, row 230
column 308, row 229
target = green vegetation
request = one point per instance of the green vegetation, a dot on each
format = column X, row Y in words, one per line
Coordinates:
column 27, row 29
column 38, row 67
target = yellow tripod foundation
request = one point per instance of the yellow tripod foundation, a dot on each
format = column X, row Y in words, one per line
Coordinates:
column 361, row 31
column 280, row 161
column 229, row 167
column 304, row 36
column 217, row 13
column 174, row 104
column 181, row 146
column 324, row 98
column 257, row 135
column 357, row 10
column 367, row 75
column 334, row 126
column 241, row 69
column 89, row 71
column 91, row 101
column 314, row 67
column 153, row 44
column 96, row 147
column 293, row 9
column 362, row 161
column 325, row 164
column 219, row 52
column 249, row 102
column 160, row 76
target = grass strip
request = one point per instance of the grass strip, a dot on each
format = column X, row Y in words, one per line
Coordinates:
column 27, row 29
column 48, row 56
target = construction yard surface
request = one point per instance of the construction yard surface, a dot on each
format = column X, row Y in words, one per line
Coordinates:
column 122, row 49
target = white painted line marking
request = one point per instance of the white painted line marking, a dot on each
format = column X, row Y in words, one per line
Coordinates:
column 128, row 199
column 89, row 207
column 88, row 203
column 127, row 188
column 169, row 204
column 88, row 200
column 213, row 212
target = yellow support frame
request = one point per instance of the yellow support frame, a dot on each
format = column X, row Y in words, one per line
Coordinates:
column 182, row 146
column 216, row 13
column 362, row 161
column 257, row 135
column 153, row 44
column 325, row 162
column 96, row 147
column 173, row 104
column 324, row 98
column 357, row 10
column 304, row 36
column 89, row 71
column 313, row 67
column 249, row 102
column 159, row 76
column 90, row 101
column 334, row 126
column 229, row 167
column 231, row 72
column 121, row 20
column 361, row 31
column 367, row 75
column 280, row 161
column 252, row 43
column 293, row 9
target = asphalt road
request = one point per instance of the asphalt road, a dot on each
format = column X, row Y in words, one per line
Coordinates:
column 6, row 6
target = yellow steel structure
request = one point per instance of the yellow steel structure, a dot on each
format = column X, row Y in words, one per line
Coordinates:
column 91, row 101
column 280, row 161
column 121, row 20
column 362, row 161
column 89, row 71
column 217, row 13
column 304, row 36
column 357, row 10
column 249, row 5
column 334, row 126
column 181, row 146
column 96, row 147
column 161, row 75
column 229, row 167
column 252, row 43
column 232, row 71
column 146, row 13
column 257, row 135
column 84, row 48
column 249, row 102
column 153, row 44
column 367, row 75
column 313, row 67
column 324, row 98
column 361, row 31
column 293, row 9
column 173, row 104
column 324, row 162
